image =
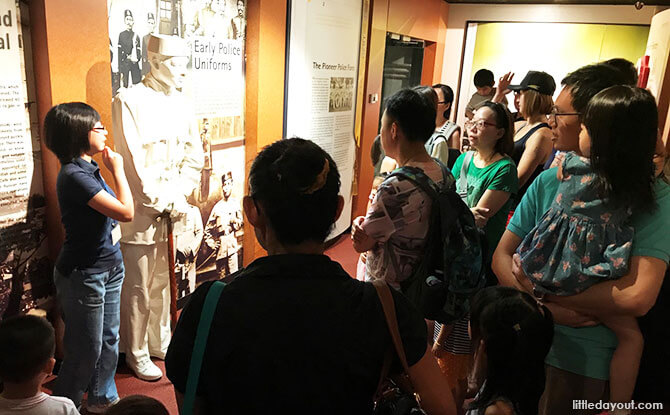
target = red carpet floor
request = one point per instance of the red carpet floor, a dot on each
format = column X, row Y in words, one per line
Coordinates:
column 127, row 384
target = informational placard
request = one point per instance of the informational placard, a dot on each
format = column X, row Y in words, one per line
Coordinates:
column 23, row 261
column 321, row 79
column 658, row 47
column 215, row 32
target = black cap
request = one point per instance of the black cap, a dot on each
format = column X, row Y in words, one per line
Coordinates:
column 127, row 13
column 541, row 82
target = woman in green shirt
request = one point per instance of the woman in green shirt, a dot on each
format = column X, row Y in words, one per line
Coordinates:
column 490, row 174
column 486, row 178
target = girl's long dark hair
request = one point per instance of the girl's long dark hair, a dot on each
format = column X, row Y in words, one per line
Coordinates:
column 622, row 122
column 517, row 334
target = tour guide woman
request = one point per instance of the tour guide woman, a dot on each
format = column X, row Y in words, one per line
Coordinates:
column 89, row 270
column 293, row 333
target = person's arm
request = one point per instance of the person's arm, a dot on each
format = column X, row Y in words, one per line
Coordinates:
column 362, row 242
column 469, row 113
column 633, row 294
column 502, row 260
column 503, row 83
column 431, row 385
column 455, row 139
column 489, row 204
column 538, row 147
column 121, row 209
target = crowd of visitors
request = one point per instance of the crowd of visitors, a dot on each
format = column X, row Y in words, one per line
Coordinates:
column 571, row 207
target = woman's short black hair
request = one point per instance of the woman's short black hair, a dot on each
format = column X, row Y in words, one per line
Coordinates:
column 448, row 97
column 622, row 122
column 297, row 184
column 517, row 333
column 66, row 128
column 505, row 144
column 413, row 112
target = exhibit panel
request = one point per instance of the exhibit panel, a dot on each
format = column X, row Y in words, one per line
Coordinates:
column 209, row 244
column 25, row 269
column 321, row 83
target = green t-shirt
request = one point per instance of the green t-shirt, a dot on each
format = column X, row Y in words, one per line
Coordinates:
column 587, row 351
column 500, row 175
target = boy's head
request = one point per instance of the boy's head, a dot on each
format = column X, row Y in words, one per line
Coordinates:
column 484, row 81
column 27, row 346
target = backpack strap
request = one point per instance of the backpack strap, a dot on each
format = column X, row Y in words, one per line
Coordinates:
column 206, row 317
column 463, row 176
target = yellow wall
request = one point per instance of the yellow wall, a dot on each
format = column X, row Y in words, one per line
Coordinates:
column 557, row 48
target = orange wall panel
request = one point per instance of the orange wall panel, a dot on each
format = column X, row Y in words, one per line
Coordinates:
column 264, row 122
column 71, row 64
column 414, row 18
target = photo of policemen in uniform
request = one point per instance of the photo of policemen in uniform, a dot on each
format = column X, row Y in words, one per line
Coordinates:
column 131, row 22
column 341, row 94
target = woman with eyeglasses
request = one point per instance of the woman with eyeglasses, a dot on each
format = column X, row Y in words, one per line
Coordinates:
column 486, row 179
column 89, row 270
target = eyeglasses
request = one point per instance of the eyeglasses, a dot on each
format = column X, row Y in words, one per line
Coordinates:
column 442, row 102
column 551, row 117
column 480, row 124
column 99, row 129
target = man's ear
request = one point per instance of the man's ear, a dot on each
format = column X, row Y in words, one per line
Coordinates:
column 252, row 211
column 49, row 366
column 340, row 207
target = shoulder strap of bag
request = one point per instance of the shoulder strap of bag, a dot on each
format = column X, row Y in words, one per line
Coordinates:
column 463, row 177
column 206, row 317
column 386, row 298
column 388, row 305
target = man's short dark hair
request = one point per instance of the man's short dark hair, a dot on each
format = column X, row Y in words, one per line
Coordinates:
column 588, row 80
column 484, row 77
column 26, row 345
column 627, row 69
column 66, row 128
column 414, row 114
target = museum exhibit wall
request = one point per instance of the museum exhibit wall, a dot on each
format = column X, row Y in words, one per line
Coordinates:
column 425, row 20
column 603, row 20
column 69, row 60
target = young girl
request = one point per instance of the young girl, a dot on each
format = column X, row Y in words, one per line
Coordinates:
column 583, row 238
column 511, row 334
column 89, row 270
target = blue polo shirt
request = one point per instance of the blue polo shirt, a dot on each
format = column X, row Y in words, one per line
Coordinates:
column 587, row 351
column 88, row 233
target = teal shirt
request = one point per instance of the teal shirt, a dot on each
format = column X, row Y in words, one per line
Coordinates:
column 500, row 175
column 587, row 351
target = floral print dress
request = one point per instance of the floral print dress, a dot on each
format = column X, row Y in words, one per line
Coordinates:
column 579, row 241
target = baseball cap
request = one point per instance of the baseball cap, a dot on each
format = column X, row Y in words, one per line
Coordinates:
column 538, row 81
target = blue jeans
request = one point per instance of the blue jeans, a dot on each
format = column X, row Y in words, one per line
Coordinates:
column 91, row 309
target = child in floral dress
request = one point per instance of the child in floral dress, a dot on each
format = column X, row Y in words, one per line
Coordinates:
column 584, row 238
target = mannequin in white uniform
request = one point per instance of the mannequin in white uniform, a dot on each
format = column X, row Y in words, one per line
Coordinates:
column 163, row 161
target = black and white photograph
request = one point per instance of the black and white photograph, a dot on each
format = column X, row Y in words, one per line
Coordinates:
column 341, row 94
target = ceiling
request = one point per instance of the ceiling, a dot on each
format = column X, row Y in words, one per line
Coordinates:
column 610, row 2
